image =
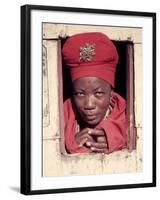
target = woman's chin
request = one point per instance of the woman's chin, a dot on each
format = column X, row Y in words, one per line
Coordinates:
column 92, row 122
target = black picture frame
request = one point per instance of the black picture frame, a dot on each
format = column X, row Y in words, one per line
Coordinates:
column 26, row 104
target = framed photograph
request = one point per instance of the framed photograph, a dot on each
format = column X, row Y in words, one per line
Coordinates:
column 88, row 99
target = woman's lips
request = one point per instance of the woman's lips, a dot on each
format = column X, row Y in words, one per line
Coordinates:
column 90, row 117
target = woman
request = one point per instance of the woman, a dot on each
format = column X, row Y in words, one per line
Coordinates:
column 95, row 115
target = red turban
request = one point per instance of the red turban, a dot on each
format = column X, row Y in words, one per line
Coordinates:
column 91, row 54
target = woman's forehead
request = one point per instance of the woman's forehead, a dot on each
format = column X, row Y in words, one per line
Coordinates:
column 91, row 82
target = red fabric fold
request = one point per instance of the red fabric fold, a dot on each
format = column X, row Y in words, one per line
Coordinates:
column 105, row 71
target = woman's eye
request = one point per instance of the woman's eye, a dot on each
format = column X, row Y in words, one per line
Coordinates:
column 79, row 94
column 99, row 94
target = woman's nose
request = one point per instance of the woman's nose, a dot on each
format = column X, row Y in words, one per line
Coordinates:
column 89, row 103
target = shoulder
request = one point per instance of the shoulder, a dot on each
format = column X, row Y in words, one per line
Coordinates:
column 118, row 100
column 118, row 105
column 67, row 102
column 68, row 108
column 67, row 105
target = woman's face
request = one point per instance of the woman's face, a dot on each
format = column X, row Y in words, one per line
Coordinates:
column 91, row 97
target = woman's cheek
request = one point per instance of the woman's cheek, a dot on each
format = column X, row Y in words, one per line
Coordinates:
column 79, row 104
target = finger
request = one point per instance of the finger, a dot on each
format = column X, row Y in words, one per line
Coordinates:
column 99, row 145
column 97, row 150
column 83, row 131
column 89, row 137
column 101, row 139
column 84, row 139
column 97, row 132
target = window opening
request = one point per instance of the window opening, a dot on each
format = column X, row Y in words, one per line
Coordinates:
column 124, row 84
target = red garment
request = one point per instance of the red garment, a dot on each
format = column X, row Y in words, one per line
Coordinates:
column 114, row 126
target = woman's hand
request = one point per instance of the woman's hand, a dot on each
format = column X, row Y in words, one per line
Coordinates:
column 94, row 139
column 83, row 136
column 100, row 144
